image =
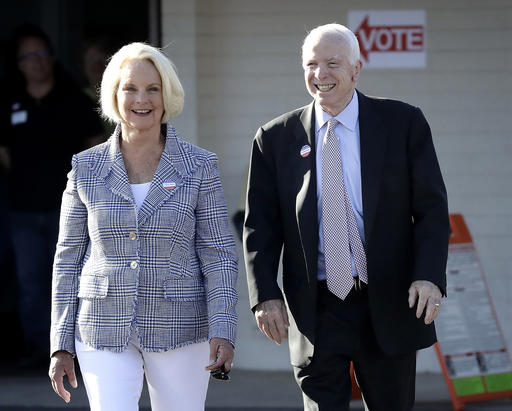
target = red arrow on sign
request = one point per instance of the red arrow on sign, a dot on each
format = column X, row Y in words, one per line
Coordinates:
column 389, row 38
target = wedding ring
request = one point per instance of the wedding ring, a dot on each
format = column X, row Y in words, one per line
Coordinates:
column 437, row 305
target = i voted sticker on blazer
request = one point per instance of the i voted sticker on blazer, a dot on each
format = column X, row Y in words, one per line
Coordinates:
column 169, row 185
column 305, row 150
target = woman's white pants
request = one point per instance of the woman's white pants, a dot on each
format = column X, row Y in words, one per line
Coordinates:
column 176, row 378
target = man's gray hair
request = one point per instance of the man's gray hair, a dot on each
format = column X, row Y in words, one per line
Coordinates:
column 338, row 31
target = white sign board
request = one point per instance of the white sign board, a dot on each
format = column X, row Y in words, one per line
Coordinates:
column 390, row 38
column 468, row 332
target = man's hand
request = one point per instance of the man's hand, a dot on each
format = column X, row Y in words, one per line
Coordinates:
column 429, row 296
column 272, row 319
column 221, row 353
column 61, row 364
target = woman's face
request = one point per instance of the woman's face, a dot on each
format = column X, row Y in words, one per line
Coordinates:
column 139, row 95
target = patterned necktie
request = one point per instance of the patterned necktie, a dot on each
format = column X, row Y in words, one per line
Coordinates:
column 339, row 223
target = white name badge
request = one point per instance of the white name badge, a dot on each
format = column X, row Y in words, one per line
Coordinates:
column 19, row 117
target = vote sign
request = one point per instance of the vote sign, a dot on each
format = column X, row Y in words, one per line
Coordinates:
column 390, row 38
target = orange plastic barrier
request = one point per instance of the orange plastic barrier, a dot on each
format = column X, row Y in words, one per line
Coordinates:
column 471, row 350
column 356, row 392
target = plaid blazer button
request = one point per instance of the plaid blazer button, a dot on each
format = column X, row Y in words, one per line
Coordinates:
column 132, row 236
column 134, row 264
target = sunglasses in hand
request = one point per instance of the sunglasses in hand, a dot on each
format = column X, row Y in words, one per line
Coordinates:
column 220, row 374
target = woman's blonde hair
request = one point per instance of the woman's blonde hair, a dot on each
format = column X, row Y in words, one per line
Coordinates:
column 172, row 91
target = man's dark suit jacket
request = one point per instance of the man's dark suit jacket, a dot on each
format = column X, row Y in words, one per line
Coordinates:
column 405, row 215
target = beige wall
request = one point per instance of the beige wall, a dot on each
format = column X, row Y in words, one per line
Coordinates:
column 240, row 64
column 179, row 42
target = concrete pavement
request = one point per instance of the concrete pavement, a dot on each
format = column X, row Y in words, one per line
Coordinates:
column 247, row 390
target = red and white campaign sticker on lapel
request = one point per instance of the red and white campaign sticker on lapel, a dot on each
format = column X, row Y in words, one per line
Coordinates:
column 305, row 150
column 169, row 185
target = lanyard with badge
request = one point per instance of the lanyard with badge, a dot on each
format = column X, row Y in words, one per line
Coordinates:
column 18, row 116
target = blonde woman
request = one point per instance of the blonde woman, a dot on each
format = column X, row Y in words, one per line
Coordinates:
column 145, row 269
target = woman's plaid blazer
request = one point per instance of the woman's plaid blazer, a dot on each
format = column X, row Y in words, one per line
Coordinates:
column 166, row 272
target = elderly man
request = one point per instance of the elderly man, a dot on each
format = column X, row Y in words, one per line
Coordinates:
column 350, row 190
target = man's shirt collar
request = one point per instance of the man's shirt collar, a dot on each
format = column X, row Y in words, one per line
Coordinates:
column 347, row 117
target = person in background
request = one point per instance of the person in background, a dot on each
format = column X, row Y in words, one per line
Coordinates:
column 350, row 190
column 45, row 118
column 145, row 269
column 95, row 59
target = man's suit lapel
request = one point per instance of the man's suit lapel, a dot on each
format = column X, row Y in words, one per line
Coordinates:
column 306, row 200
column 373, row 138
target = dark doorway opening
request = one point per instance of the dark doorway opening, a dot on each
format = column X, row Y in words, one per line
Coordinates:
column 71, row 26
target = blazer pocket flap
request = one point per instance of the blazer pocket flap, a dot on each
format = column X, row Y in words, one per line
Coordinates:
column 183, row 290
column 93, row 286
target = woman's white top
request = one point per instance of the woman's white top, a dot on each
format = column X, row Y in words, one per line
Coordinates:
column 140, row 191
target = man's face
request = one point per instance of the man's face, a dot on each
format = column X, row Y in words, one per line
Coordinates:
column 34, row 60
column 330, row 77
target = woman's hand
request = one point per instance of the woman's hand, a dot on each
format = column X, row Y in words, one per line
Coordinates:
column 61, row 364
column 221, row 353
